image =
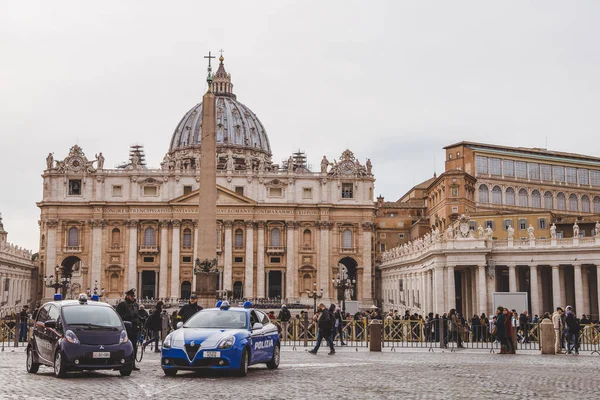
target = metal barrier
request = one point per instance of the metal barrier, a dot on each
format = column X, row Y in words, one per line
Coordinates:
column 10, row 332
column 303, row 333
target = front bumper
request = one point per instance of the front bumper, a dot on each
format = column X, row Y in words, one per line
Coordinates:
column 177, row 358
column 81, row 356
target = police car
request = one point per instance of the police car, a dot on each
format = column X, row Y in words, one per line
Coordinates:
column 73, row 335
column 222, row 338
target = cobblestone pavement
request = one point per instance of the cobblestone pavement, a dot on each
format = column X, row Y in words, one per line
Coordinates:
column 348, row 374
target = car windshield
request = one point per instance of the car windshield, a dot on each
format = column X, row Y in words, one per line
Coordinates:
column 223, row 319
column 91, row 316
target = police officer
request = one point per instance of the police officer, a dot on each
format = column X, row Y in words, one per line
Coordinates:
column 189, row 309
column 128, row 309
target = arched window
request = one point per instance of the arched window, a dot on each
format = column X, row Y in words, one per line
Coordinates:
column 149, row 237
column 306, row 283
column 585, row 204
column 307, row 238
column 536, row 199
column 347, row 239
column 239, row 238
column 523, row 198
column 237, row 290
column 187, row 237
column 548, row 201
column 597, row 204
column 561, row 201
column 510, row 196
column 73, row 239
column 115, row 238
column 484, row 194
column 275, row 237
column 497, row 195
column 114, row 282
column 573, row 203
column 43, row 244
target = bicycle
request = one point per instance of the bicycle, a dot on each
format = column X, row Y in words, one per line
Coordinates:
column 141, row 338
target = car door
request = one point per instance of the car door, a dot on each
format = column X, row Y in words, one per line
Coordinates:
column 53, row 333
column 40, row 337
column 270, row 336
column 257, row 338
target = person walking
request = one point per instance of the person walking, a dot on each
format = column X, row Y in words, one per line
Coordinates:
column 189, row 309
column 23, row 326
column 128, row 309
column 573, row 328
column 558, row 329
column 154, row 325
column 284, row 319
column 325, row 325
column 499, row 330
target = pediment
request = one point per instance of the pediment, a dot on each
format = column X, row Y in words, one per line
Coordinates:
column 224, row 197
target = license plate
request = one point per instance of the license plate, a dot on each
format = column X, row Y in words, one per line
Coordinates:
column 101, row 354
column 212, row 354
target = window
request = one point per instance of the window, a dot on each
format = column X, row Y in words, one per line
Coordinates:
column 496, row 195
column 382, row 235
column 347, row 190
column 597, row 204
column 454, row 191
column 149, row 237
column 238, row 260
column 521, row 169
column 559, row 173
column 148, row 259
column 382, row 247
column 454, row 209
column 585, row 204
column 401, row 236
column 186, row 259
column 495, row 166
column 546, row 172
column 73, row 239
column 449, row 156
column 307, row 193
column 150, row 190
column 307, row 238
column 581, row 233
column 573, row 202
column 508, row 168
column 583, row 176
column 117, row 190
column 275, row 192
column 536, row 199
column 472, row 225
column 523, row 198
column 484, row 194
column 481, row 165
column 115, row 238
column 275, row 260
column 506, row 223
column 489, row 224
column 275, row 237
column 522, row 224
column 510, row 196
column 533, row 169
column 187, row 237
column 74, row 187
column 542, row 223
column 548, row 201
column 187, row 190
column 347, row 239
column 458, row 154
column 561, row 201
column 571, row 175
column 595, row 177
column 239, row 238
column 559, row 235
column 239, row 190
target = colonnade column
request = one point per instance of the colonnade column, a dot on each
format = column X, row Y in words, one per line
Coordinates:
column 586, row 292
column 260, row 260
column 366, row 250
column 51, row 226
column 556, row 286
column 512, row 278
column 131, row 281
column 228, row 251
column 96, row 266
column 249, row 275
column 578, row 289
column 195, row 255
column 451, row 289
column 324, row 257
column 164, row 259
column 482, row 289
column 429, row 291
column 533, row 288
column 439, row 290
column 290, row 252
column 176, row 223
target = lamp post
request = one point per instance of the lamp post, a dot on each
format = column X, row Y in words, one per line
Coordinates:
column 343, row 283
column 101, row 293
column 314, row 295
column 53, row 281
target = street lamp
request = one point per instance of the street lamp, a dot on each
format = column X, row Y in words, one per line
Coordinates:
column 53, row 281
column 96, row 290
column 343, row 283
column 314, row 295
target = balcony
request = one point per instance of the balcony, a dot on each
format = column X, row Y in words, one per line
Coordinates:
column 275, row 249
column 307, row 248
column 347, row 250
column 145, row 249
column 115, row 248
column 186, row 249
column 72, row 249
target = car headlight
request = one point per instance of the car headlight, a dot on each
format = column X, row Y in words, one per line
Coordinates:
column 123, row 337
column 226, row 343
column 168, row 342
column 71, row 337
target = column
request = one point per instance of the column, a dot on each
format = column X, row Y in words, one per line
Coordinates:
column 228, row 251
column 533, row 287
column 249, row 276
column 563, row 289
column 556, row 295
column 51, row 226
column 366, row 252
column 164, row 259
column 578, row 289
column 482, row 288
column 586, row 291
column 130, row 282
column 439, row 290
column 96, row 267
column 260, row 261
column 473, row 288
column 512, row 278
column 324, row 257
column 468, row 291
column 195, row 255
column 290, row 253
column 423, row 294
column 429, row 291
column 175, row 286
column 451, row 295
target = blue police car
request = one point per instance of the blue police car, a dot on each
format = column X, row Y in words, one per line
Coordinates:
column 222, row 338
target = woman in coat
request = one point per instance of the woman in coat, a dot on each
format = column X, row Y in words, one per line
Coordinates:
column 154, row 325
column 500, row 329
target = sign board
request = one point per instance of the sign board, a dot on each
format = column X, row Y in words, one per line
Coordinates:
column 351, row 307
column 513, row 301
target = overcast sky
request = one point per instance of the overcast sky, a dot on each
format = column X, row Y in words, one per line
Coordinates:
column 393, row 81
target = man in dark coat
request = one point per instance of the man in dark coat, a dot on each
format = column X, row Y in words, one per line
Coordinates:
column 128, row 309
column 189, row 309
column 325, row 325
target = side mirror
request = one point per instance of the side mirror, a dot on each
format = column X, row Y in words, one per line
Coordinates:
column 51, row 323
column 257, row 325
column 179, row 324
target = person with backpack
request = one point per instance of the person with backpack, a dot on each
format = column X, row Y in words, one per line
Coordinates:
column 154, row 325
column 325, row 325
column 284, row 318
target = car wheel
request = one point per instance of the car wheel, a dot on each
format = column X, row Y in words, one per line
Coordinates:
column 59, row 366
column 32, row 367
column 126, row 371
column 274, row 362
column 244, row 363
column 170, row 372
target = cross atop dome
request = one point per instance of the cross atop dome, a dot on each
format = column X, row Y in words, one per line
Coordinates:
column 222, row 85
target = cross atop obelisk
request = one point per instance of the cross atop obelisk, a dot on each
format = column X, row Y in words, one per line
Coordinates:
column 209, row 75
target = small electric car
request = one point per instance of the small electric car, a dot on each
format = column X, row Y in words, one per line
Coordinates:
column 223, row 338
column 71, row 335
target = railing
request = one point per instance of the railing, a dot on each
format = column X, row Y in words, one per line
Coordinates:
column 275, row 249
column 72, row 249
column 148, row 249
column 587, row 240
column 115, row 248
column 345, row 250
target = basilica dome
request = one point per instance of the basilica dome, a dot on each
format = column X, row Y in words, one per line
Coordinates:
column 237, row 126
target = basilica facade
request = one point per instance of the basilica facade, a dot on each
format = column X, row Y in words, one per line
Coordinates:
column 282, row 229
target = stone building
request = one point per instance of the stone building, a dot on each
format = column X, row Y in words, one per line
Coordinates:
column 282, row 228
column 17, row 280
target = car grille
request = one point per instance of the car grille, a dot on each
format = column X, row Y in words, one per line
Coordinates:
column 191, row 351
column 201, row 362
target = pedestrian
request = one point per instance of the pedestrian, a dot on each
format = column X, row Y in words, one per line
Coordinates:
column 558, row 328
column 189, row 309
column 573, row 328
column 325, row 326
column 524, row 326
column 284, row 319
column 154, row 325
column 23, row 326
column 499, row 330
column 128, row 309
column 510, row 323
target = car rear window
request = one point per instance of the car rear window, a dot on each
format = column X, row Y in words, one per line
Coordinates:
column 94, row 316
column 217, row 319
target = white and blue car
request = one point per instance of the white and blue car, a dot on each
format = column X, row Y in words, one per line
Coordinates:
column 222, row 338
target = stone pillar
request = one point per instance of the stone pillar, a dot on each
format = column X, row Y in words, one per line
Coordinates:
column 249, row 276
column 451, row 295
column 533, row 288
column 194, row 257
column 512, row 278
column 482, row 288
column 164, row 259
column 468, row 299
column 578, row 289
column 51, row 244
column 367, row 267
column 324, row 258
column 429, row 291
column 290, row 252
column 131, row 281
column 228, row 251
column 563, row 289
column 96, row 267
column 260, row 261
column 556, row 287
column 423, row 295
column 175, row 286
column 586, row 291
column 439, row 290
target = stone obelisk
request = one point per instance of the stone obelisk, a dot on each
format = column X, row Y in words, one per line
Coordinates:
column 206, row 284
